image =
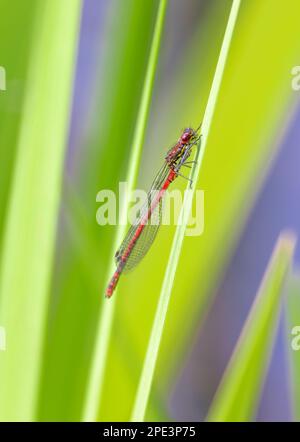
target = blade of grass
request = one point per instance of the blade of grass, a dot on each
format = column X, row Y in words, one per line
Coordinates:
column 11, row 100
column 158, row 325
column 33, row 206
column 239, row 392
column 293, row 328
column 98, row 162
column 96, row 378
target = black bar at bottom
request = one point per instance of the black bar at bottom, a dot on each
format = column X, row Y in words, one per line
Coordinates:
column 139, row 431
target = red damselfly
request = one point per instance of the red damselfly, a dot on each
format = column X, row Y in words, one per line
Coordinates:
column 142, row 233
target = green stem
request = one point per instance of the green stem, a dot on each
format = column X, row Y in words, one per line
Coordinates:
column 96, row 378
column 237, row 397
column 30, row 229
column 161, row 312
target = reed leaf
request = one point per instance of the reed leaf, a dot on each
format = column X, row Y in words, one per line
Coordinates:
column 33, row 205
column 144, row 387
column 239, row 392
column 107, row 313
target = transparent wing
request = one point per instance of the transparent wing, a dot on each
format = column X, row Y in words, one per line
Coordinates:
column 147, row 236
column 144, row 241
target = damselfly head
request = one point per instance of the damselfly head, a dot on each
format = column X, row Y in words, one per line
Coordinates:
column 186, row 140
column 187, row 135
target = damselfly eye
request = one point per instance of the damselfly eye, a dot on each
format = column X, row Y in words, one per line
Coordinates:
column 187, row 135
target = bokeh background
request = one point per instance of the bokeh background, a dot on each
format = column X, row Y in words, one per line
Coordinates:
column 250, row 176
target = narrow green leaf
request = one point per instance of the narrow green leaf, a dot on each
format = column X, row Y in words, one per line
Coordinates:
column 34, row 201
column 144, row 387
column 240, row 388
column 96, row 378
column 99, row 163
column 12, row 98
column 293, row 338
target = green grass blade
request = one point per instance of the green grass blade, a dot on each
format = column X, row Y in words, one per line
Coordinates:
column 34, row 202
column 157, row 329
column 95, row 385
column 11, row 100
column 293, row 341
column 101, row 164
column 240, row 389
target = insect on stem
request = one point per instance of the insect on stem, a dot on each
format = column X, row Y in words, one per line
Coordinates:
column 141, row 234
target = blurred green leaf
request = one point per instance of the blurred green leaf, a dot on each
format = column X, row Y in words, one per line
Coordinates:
column 96, row 380
column 85, row 248
column 238, row 395
column 33, row 205
column 12, row 98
